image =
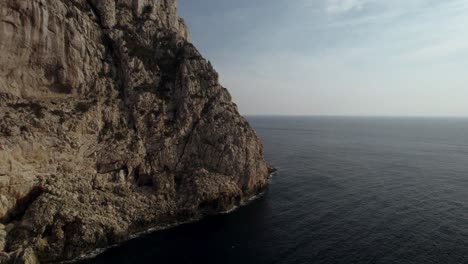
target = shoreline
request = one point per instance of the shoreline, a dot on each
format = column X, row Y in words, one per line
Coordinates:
column 99, row 251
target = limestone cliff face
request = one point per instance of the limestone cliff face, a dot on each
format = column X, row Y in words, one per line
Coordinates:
column 111, row 122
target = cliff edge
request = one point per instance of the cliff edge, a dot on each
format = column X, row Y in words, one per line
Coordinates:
column 111, row 123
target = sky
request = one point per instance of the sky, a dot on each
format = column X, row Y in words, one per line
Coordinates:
column 337, row 57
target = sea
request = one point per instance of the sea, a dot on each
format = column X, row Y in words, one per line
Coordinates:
column 347, row 190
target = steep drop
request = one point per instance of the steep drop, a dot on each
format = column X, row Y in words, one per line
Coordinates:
column 111, row 122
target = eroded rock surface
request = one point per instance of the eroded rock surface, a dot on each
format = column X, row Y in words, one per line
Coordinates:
column 111, row 122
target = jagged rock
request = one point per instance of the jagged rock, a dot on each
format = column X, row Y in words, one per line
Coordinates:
column 111, row 122
column 26, row 256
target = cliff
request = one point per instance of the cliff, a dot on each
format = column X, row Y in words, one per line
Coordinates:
column 111, row 122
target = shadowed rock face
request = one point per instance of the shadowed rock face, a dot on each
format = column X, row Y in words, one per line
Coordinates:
column 111, row 122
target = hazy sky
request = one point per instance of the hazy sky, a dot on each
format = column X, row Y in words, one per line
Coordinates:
column 337, row 57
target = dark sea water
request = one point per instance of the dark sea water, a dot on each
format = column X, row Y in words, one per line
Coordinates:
column 348, row 190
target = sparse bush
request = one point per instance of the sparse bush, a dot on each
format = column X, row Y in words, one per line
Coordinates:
column 148, row 9
column 36, row 108
column 83, row 107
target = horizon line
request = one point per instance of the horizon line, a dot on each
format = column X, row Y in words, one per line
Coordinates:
column 356, row 116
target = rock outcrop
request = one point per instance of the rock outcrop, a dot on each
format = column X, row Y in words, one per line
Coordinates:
column 111, row 122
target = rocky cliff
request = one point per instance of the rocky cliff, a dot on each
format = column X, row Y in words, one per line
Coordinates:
column 111, row 122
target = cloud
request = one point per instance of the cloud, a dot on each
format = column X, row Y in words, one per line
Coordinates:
column 439, row 50
column 341, row 57
column 343, row 6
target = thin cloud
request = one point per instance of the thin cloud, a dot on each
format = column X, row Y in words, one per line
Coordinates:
column 438, row 50
column 385, row 57
column 343, row 6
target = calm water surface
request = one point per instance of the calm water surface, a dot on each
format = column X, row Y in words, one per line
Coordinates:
column 348, row 190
